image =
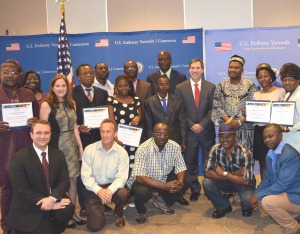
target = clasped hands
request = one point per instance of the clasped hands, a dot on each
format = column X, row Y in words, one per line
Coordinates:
column 48, row 203
column 174, row 186
column 240, row 172
column 105, row 195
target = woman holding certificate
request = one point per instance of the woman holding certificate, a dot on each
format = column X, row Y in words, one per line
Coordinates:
column 125, row 108
column 265, row 76
column 290, row 77
column 59, row 110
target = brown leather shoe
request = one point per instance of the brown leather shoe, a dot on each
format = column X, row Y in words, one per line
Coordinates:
column 119, row 221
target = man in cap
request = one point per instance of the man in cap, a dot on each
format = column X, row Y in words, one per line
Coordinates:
column 230, row 99
column 229, row 169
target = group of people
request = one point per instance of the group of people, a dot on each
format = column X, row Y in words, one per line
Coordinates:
column 45, row 167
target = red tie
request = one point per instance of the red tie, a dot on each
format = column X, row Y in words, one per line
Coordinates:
column 46, row 170
column 197, row 94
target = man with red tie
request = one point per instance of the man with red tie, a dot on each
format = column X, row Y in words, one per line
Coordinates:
column 196, row 95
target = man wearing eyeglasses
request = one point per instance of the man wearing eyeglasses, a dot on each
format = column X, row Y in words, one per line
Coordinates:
column 86, row 95
column 159, row 166
column 12, row 139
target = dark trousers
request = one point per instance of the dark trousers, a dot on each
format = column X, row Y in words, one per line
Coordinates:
column 143, row 193
column 191, row 156
column 5, row 198
column 80, row 188
column 53, row 222
column 95, row 209
column 213, row 188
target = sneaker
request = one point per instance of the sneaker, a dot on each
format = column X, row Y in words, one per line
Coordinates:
column 140, row 218
column 131, row 205
column 159, row 203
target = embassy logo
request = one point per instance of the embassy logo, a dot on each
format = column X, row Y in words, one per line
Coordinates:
column 102, row 43
column 140, row 67
column 189, row 40
column 13, row 47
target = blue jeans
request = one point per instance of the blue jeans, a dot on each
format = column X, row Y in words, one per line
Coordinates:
column 214, row 187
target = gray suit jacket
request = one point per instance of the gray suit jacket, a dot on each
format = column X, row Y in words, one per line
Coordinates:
column 174, row 117
column 202, row 114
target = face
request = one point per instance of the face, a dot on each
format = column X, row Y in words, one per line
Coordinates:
column 41, row 135
column 102, row 71
column 196, row 71
column 163, row 85
column 86, row 76
column 164, row 61
column 264, row 78
column 290, row 84
column 227, row 140
column 272, row 137
column 161, row 134
column 60, row 88
column 235, row 70
column 10, row 75
column 122, row 87
column 108, row 133
column 32, row 82
column 131, row 69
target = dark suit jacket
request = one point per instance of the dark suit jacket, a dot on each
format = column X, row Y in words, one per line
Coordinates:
column 82, row 101
column 202, row 114
column 176, row 78
column 174, row 117
column 143, row 91
column 29, row 185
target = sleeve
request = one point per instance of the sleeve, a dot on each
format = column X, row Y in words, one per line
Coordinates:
column 218, row 104
column 207, row 119
column 179, row 163
column 109, row 101
column 252, row 90
column 296, row 126
column 210, row 163
column 148, row 119
column 249, row 164
column 183, row 123
column 140, row 165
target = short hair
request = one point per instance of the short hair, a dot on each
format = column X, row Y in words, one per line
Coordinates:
column 164, row 76
column 194, row 60
column 25, row 77
column 109, row 120
column 163, row 124
column 80, row 66
column 290, row 70
column 40, row 121
column 276, row 126
column 269, row 70
column 99, row 64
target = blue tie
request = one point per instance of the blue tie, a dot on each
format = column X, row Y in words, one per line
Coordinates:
column 164, row 104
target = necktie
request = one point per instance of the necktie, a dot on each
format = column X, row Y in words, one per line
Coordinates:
column 89, row 95
column 164, row 104
column 46, row 170
column 197, row 94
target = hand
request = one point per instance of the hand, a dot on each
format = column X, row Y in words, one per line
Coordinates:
column 240, row 172
column 62, row 204
column 244, row 113
column 135, row 121
column 253, row 202
column 4, row 126
column 84, row 129
column 219, row 170
column 30, row 121
column 105, row 195
column 46, row 203
column 173, row 186
column 235, row 123
column 197, row 128
column 183, row 148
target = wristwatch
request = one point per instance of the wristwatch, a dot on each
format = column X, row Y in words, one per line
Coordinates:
column 225, row 173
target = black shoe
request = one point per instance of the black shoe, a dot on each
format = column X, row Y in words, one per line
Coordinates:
column 82, row 213
column 80, row 222
column 246, row 213
column 7, row 232
column 107, row 208
column 183, row 201
column 217, row 214
column 72, row 225
column 194, row 196
column 140, row 218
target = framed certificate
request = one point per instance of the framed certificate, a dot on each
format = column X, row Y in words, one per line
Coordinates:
column 93, row 116
column 17, row 114
column 283, row 113
column 129, row 135
column 258, row 111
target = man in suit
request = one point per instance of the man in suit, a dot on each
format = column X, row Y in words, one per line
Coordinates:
column 142, row 89
column 40, row 180
column 197, row 96
column 167, row 108
column 101, row 78
column 164, row 61
column 81, row 96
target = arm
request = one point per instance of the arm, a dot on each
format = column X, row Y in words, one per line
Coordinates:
column 237, row 179
column 78, row 140
column 148, row 119
column 210, row 97
column 137, row 119
column 111, row 113
column 45, row 111
column 218, row 104
column 182, row 127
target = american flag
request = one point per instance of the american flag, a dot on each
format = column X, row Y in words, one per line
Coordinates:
column 223, row 46
column 64, row 64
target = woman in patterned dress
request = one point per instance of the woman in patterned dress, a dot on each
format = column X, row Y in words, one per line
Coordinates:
column 125, row 108
column 59, row 110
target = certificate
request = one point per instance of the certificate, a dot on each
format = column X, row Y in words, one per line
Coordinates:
column 283, row 113
column 258, row 111
column 129, row 135
column 17, row 114
column 93, row 116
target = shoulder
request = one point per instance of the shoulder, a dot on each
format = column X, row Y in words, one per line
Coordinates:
column 183, row 85
column 178, row 73
column 53, row 152
column 244, row 150
column 152, row 74
column 144, row 83
column 208, row 84
column 288, row 149
column 23, row 152
column 172, row 145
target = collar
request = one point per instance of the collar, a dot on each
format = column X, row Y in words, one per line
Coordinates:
column 168, row 73
column 112, row 148
column 163, row 98
column 277, row 151
column 199, row 83
column 84, row 88
column 39, row 152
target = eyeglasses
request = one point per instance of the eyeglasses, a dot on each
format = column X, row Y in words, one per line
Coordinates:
column 159, row 134
column 130, row 67
column 8, row 73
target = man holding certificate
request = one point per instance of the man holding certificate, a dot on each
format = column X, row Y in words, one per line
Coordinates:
column 12, row 139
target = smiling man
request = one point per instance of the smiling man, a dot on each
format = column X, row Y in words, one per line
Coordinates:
column 279, row 190
column 229, row 169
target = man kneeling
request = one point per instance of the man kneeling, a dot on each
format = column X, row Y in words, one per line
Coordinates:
column 229, row 168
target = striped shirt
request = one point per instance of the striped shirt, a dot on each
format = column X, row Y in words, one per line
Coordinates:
column 240, row 157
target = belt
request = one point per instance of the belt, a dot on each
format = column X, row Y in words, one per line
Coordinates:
column 104, row 185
